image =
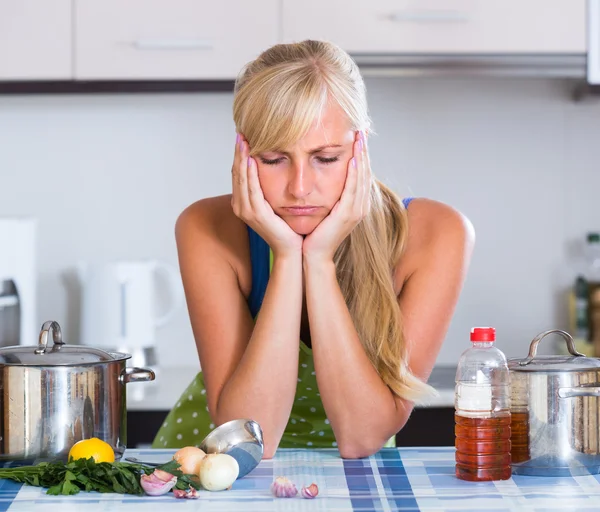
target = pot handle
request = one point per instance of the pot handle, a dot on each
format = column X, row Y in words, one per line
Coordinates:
column 578, row 391
column 48, row 326
column 534, row 344
column 136, row 375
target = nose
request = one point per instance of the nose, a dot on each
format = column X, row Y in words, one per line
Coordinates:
column 302, row 180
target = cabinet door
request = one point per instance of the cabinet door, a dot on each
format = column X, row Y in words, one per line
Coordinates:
column 440, row 26
column 35, row 39
column 171, row 39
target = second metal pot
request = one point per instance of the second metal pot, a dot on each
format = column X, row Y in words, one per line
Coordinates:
column 555, row 408
column 52, row 397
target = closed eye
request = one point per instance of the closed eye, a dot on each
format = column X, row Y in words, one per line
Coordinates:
column 321, row 159
column 275, row 161
column 330, row 160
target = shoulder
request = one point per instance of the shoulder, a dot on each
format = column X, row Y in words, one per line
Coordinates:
column 205, row 215
column 209, row 227
column 435, row 231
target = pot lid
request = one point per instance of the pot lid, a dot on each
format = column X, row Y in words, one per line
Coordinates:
column 59, row 354
column 555, row 363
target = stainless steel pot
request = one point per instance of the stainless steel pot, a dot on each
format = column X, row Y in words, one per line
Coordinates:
column 52, row 397
column 555, row 409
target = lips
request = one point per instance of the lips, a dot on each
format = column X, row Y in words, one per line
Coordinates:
column 301, row 210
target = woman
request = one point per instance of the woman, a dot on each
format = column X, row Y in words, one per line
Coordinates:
column 318, row 299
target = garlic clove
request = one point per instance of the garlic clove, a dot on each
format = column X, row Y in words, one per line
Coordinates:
column 283, row 488
column 309, row 492
column 191, row 493
column 158, row 482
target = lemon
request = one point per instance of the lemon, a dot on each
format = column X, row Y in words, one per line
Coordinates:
column 100, row 450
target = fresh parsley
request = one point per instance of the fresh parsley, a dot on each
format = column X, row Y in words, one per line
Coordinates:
column 87, row 475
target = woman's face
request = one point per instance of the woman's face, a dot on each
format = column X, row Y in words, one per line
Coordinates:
column 303, row 183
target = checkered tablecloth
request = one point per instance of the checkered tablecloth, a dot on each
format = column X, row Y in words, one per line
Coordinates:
column 404, row 479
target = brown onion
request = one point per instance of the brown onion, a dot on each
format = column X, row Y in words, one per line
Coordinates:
column 190, row 459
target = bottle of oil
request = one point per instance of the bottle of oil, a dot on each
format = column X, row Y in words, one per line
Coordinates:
column 592, row 253
column 482, row 410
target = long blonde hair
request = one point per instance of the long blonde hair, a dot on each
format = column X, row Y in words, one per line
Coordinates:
column 277, row 99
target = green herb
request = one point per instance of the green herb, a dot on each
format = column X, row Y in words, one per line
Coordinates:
column 87, row 475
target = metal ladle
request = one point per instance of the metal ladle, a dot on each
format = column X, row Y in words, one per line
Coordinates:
column 242, row 439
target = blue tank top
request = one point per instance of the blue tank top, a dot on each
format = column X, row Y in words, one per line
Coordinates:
column 260, row 261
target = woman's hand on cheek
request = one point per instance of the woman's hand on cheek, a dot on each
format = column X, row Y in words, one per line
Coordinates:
column 352, row 207
column 249, row 204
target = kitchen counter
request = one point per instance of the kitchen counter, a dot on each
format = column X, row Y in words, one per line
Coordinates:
column 404, row 479
column 162, row 394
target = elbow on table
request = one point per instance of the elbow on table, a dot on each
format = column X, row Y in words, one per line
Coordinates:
column 358, row 450
column 269, row 453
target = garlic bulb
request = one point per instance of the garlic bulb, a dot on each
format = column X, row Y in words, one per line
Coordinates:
column 309, row 492
column 158, row 482
column 283, row 488
column 218, row 471
column 191, row 493
column 190, row 459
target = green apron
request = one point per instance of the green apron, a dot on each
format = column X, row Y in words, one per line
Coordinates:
column 308, row 427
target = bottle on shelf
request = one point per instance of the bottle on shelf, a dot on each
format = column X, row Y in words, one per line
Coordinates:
column 592, row 253
column 482, row 410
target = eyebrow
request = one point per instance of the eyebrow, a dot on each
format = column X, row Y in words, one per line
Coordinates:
column 316, row 150
column 321, row 148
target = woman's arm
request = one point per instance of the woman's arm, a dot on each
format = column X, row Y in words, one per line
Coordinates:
column 363, row 411
column 250, row 370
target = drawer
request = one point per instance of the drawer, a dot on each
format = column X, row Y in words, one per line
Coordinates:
column 440, row 26
column 171, row 39
column 35, row 39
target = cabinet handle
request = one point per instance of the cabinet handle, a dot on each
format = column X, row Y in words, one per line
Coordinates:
column 173, row 44
column 425, row 16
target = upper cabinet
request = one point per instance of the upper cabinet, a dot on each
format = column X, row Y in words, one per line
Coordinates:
column 98, row 40
column 171, row 39
column 35, row 39
column 440, row 26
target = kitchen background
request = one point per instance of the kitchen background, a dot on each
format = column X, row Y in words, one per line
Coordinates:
column 106, row 175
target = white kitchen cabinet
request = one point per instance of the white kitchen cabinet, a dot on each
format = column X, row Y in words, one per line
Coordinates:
column 171, row 39
column 440, row 26
column 35, row 39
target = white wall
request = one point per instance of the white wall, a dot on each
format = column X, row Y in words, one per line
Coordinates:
column 108, row 175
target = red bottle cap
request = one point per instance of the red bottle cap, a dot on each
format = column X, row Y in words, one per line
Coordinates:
column 483, row 334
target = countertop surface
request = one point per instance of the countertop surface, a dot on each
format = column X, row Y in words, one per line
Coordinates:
column 394, row 479
column 162, row 393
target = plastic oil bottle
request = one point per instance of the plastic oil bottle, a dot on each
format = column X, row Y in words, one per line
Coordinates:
column 482, row 410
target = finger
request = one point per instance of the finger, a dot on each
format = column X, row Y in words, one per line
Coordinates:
column 240, row 176
column 362, row 199
column 239, row 140
column 361, row 173
column 235, row 168
column 241, row 148
column 349, row 193
column 255, row 194
column 367, row 176
column 366, row 156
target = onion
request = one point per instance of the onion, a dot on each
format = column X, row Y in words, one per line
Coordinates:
column 218, row 471
column 190, row 459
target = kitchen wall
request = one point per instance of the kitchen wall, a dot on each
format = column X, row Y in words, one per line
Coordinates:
column 107, row 176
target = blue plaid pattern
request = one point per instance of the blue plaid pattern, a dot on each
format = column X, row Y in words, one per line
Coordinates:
column 393, row 480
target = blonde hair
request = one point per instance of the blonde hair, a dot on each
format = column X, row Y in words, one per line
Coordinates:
column 277, row 99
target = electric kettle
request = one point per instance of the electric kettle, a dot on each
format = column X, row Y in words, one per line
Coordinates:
column 119, row 302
